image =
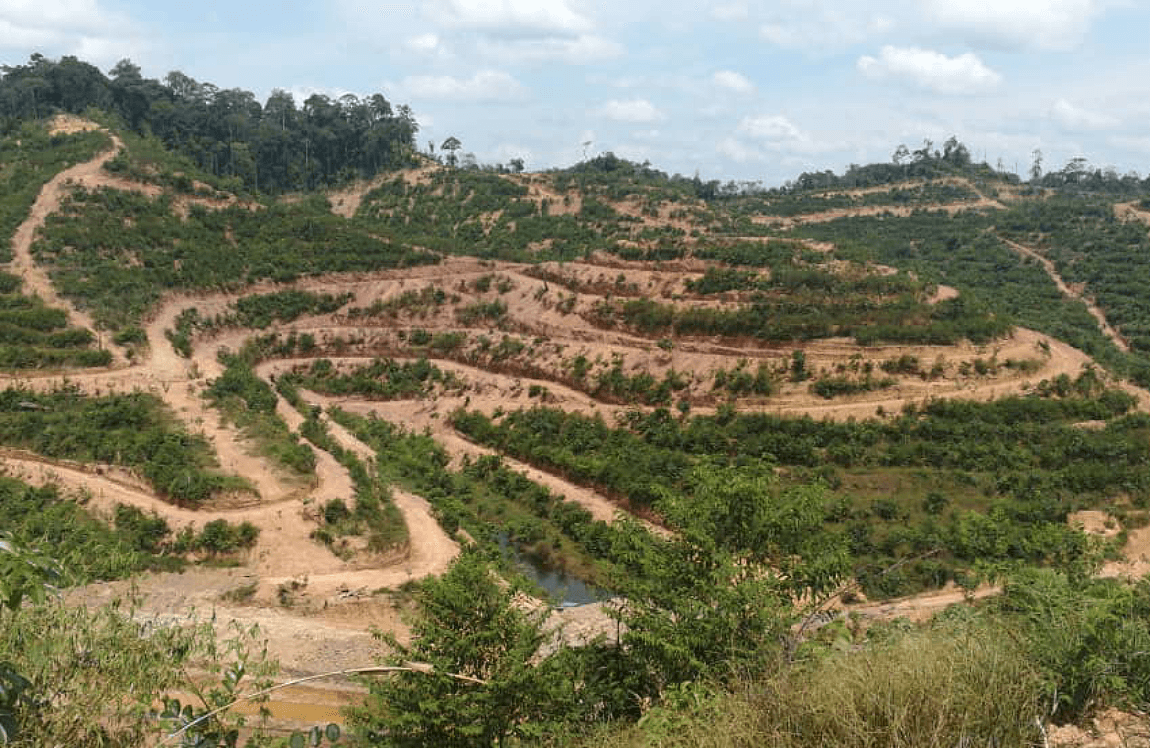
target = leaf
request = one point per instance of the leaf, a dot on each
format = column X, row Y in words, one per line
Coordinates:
column 297, row 740
column 316, row 736
column 332, row 732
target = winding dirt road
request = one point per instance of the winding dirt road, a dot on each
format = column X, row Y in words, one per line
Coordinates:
column 337, row 593
column 1069, row 292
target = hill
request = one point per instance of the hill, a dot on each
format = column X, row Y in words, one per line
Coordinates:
column 734, row 409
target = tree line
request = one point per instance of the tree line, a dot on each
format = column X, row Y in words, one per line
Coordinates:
column 274, row 147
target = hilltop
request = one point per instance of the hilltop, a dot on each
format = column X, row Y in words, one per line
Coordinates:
column 864, row 393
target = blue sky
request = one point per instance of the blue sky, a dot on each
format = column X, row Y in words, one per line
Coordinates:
column 731, row 90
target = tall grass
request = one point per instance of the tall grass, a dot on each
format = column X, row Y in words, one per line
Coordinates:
column 945, row 687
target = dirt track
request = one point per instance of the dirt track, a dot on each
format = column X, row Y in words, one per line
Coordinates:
column 335, row 604
column 1069, row 292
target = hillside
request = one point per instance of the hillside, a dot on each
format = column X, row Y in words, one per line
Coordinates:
column 845, row 401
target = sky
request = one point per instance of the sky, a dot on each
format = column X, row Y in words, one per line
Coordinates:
column 745, row 91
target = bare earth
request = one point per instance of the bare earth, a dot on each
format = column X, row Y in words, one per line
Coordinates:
column 333, row 601
column 1069, row 292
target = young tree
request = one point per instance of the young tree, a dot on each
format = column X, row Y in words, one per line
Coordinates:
column 470, row 625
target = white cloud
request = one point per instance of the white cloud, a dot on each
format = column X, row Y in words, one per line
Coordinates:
column 59, row 16
column 638, row 111
column 24, row 36
column 737, row 150
column 733, row 81
column 1139, row 144
column 1071, row 117
column 931, row 70
column 756, row 135
column 514, row 18
column 428, row 44
column 485, row 85
column 820, row 25
column 731, row 12
column 74, row 27
column 1045, row 24
column 773, row 127
column 579, row 50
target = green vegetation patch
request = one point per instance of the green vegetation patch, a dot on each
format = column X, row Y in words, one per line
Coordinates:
column 35, row 336
column 486, row 498
column 118, row 252
column 86, row 548
column 962, row 251
column 1090, row 246
column 29, row 158
column 382, row 379
column 799, row 318
column 257, row 311
column 250, row 403
column 134, row 430
column 1020, row 463
column 485, row 215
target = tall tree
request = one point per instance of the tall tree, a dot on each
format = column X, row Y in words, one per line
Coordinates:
column 451, row 145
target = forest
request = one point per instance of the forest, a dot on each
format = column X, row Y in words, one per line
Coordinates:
column 275, row 147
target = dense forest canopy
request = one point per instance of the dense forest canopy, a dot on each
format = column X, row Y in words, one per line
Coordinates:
column 275, row 147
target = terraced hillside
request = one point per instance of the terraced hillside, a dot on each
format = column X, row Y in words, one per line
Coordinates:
column 918, row 385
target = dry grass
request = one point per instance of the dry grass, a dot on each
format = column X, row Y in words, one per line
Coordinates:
column 966, row 687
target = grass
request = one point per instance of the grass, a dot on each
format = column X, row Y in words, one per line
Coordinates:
column 936, row 688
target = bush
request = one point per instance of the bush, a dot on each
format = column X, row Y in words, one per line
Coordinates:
column 939, row 688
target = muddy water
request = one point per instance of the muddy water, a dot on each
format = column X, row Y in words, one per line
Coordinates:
column 563, row 589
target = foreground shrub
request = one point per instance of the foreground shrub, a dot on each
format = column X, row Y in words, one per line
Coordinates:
column 950, row 686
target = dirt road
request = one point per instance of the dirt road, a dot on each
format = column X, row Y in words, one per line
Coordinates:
column 1070, row 293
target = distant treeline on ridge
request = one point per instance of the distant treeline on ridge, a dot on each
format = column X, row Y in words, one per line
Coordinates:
column 273, row 148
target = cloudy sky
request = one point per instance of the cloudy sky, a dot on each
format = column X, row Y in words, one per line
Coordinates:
column 733, row 90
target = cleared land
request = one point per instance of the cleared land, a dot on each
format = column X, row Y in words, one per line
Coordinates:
column 512, row 335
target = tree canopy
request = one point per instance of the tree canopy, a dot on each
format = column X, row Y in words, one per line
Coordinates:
column 275, row 147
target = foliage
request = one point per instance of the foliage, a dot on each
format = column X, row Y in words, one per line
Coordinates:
column 1089, row 246
column 257, row 311
column 485, row 215
column 1019, row 466
column 961, row 251
column 800, row 202
column 33, row 335
column 234, row 662
column 251, row 404
column 831, row 387
column 470, row 625
column 275, row 147
column 134, row 430
column 1090, row 637
column 790, row 318
column 118, row 252
column 29, row 158
column 382, row 379
column 486, row 495
column 79, row 663
column 947, row 685
column 374, row 513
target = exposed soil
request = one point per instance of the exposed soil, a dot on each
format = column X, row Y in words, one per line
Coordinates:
column 314, row 606
column 1070, row 292
column 901, row 211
